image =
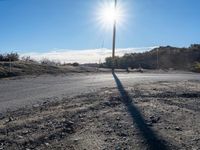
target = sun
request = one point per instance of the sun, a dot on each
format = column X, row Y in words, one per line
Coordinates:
column 110, row 14
column 107, row 14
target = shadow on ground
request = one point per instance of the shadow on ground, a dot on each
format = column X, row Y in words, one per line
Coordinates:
column 151, row 139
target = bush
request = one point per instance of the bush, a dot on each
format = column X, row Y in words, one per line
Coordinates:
column 46, row 61
column 1, row 57
column 13, row 56
column 196, row 67
column 9, row 57
column 26, row 59
column 75, row 64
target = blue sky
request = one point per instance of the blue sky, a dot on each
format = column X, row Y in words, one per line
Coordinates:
column 50, row 25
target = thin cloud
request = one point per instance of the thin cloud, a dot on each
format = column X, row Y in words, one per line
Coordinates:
column 82, row 56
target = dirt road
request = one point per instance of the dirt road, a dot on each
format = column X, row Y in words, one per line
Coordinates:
column 134, row 112
column 23, row 91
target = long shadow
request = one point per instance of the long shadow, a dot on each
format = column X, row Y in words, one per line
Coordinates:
column 151, row 139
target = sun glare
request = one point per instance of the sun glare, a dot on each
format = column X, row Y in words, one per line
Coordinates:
column 107, row 14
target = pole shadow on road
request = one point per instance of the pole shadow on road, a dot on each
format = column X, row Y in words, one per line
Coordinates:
column 151, row 139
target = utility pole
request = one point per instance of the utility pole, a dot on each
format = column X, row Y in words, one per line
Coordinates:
column 10, row 65
column 157, row 60
column 114, row 38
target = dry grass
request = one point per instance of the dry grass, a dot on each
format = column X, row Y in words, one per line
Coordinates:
column 21, row 68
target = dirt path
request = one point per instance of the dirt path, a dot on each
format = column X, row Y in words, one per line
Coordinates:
column 160, row 115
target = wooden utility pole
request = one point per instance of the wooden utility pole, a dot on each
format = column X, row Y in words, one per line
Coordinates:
column 157, row 60
column 10, row 66
column 114, row 38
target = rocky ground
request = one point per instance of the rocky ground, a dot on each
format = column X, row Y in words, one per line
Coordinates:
column 161, row 115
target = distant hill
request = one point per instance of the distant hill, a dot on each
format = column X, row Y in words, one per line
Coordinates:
column 160, row 58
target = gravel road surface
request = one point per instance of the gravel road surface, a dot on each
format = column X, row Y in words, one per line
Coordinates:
column 23, row 91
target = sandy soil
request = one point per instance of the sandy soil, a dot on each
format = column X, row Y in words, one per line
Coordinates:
column 159, row 115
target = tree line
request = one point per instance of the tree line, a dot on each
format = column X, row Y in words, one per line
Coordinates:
column 9, row 57
column 158, row 58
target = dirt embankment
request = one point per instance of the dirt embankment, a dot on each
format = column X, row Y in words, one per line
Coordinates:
column 160, row 115
column 20, row 68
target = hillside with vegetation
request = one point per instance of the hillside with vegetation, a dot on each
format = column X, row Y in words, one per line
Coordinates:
column 160, row 58
column 11, row 64
column 173, row 58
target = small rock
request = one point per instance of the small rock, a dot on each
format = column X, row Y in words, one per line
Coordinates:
column 68, row 130
column 36, row 105
column 123, row 134
column 19, row 136
column 63, row 120
column 75, row 140
column 154, row 119
column 149, row 124
column 9, row 119
column 120, row 126
column 118, row 118
column 47, row 144
column 25, row 132
column 118, row 147
column 108, row 131
column 167, row 128
column 44, row 103
column 142, row 141
column 178, row 129
column 63, row 134
column 70, row 122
